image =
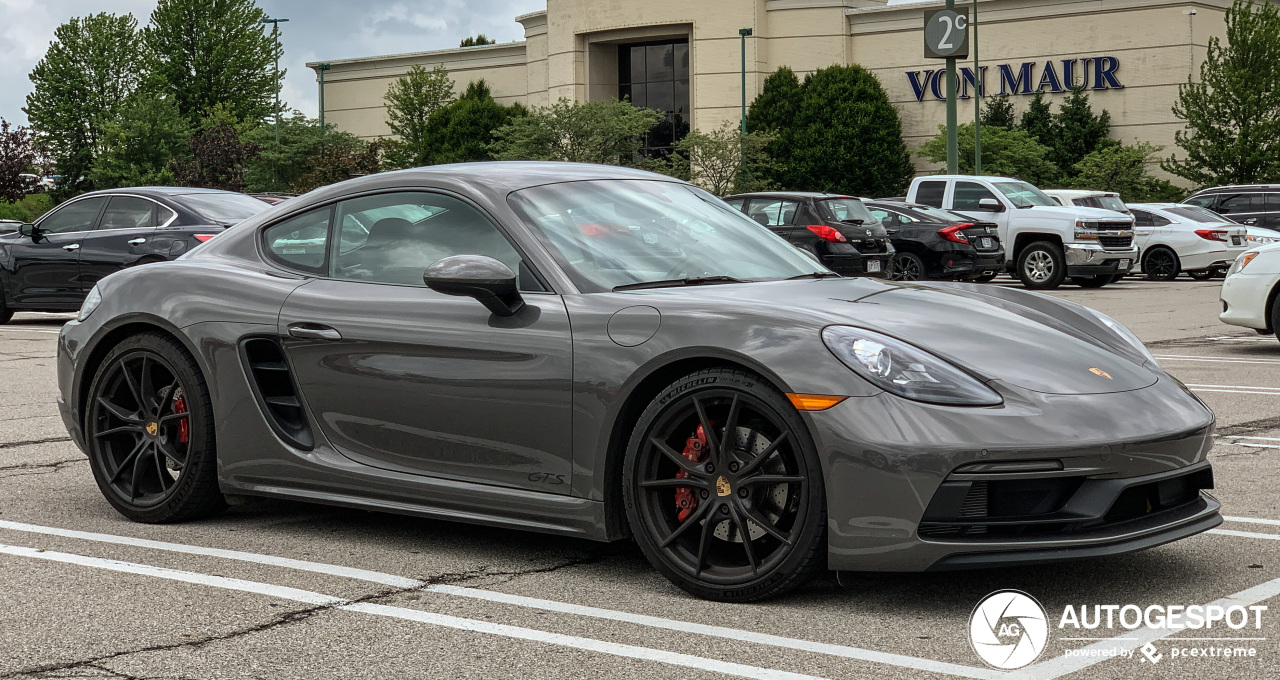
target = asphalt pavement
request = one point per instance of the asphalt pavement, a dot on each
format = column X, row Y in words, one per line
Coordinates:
column 289, row 590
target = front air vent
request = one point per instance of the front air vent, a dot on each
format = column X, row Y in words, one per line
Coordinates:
column 276, row 390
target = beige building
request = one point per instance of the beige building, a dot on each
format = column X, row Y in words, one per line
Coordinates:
column 685, row 57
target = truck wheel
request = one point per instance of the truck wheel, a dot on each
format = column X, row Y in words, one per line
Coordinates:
column 1042, row 266
column 1160, row 264
column 1093, row 281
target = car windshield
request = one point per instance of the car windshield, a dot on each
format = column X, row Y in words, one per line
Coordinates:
column 1024, row 195
column 1196, row 214
column 1109, row 203
column 610, row 233
column 848, row 209
column 225, row 208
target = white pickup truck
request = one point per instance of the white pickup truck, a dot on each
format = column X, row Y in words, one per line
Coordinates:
column 1045, row 242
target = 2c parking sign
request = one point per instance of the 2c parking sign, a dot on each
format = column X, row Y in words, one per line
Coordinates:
column 946, row 34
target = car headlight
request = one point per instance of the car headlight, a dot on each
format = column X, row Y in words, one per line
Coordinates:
column 91, row 302
column 1126, row 334
column 906, row 370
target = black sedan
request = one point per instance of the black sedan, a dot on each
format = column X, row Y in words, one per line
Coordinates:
column 931, row 243
column 837, row 229
column 51, row 265
column 607, row 353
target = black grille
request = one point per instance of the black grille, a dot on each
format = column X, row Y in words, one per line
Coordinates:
column 274, row 386
column 1115, row 241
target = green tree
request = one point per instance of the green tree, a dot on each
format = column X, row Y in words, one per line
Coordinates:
column 411, row 100
column 723, row 161
column 1038, row 122
column 775, row 107
column 209, row 52
column 463, row 130
column 478, row 40
column 342, row 163
column 18, row 155
column 844, row 135
column 301, row 139
column 92, row 66
column 219, row 155
column 1078, row 131
column 1123, row 169
column 1008, row 153
column 999, row 112
column 607, row 132
column 1232, row 113
column 142, row 144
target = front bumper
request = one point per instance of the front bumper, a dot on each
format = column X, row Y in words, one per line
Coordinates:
column 1094, row 260
column 1244, row 300
column 886, row 459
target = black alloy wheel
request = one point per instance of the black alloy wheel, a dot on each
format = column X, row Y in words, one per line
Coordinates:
column 1201, row 274
column 1160, row 264
column 149, row 431
column 723, row 490
column 907, row 267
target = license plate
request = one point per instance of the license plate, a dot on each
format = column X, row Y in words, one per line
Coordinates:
column 1124, row 264
column 873, row 266
column 1235, row 240
column 985, row 243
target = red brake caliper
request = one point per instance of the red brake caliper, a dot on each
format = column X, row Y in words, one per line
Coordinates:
column 184, row 428
column 695, row 449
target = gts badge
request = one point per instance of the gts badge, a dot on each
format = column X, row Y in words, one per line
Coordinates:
column 546, row 478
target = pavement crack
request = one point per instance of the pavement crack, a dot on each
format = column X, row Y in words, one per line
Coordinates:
column 25, row 469
column 33, row 442
column 1249, row 427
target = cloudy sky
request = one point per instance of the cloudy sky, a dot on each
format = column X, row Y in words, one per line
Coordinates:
column 317, row 29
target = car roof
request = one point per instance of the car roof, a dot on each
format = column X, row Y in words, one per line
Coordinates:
column 789, row 194
column 159, row 191
column 1078, row 193
column 989, row 178
column 1239, row 187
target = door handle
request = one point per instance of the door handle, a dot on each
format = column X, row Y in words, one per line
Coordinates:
column 71, row 247
column 1251, row 220
column 312, row 331
column 137, row 241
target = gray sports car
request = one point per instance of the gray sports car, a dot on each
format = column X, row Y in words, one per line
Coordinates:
column 602, row 352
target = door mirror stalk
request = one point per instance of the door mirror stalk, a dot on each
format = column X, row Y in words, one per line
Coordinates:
column 487, row 280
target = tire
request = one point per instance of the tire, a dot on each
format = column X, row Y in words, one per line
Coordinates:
column 1093, row 281
column 985, row 278
column 907, row 267
column 1042, row 266
column 6, row 314
column 148, row 466
column 1275, row 318
column 1201, row 274
column 784, row 523
column 1161, row 264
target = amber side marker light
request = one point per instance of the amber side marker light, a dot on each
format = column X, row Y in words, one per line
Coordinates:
column 814, row 402
column 1244, row 262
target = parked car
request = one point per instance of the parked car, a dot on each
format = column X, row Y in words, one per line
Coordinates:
column 1254, row 205
column 1107, row 200
column 603, row 353
column 273, row 198
column 1177, row 238
column 931, row 243
column 836, row 229
column 1044, row 243
column 51, row 265
column 1261, row 236
column 32, row 182
column 1249, row 292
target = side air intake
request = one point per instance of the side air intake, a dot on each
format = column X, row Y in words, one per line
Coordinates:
column 276, row 390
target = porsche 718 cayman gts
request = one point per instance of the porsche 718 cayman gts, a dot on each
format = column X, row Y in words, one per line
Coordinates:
column 602, row 352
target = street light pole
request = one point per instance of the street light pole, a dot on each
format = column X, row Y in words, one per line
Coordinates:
column 953, row 147
column 977, row 97
column 321, row 68
column 275, row 34
column 743, row 33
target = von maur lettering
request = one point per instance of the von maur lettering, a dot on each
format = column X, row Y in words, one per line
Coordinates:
column 1096, row 73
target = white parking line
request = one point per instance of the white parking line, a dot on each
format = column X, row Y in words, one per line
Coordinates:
column 1236, row 389
column 28, row 330
column 1216, row 360
column 1253, row 520
column 1064, row 665
column 430, row 618
column 1244, row 534
column 1240, row 338
column 843, row 651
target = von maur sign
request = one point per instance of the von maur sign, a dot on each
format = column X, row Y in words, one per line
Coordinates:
column 1097, row 73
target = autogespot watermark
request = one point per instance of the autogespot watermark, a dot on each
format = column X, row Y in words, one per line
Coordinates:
column 1009, row 629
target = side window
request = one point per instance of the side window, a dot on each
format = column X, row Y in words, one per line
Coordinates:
column 1240, row 203
column 773, row 213
column 737, row 203
column 903, row 218
column 302, row 241
column 75, row 216
column 1272, row 202
column 930, row 193
column 886, row 218
column 163, row 215
column 127, row 212
column 1142, row 218
column 968, row 194
column 1205, row 201
column 1159, row 221
column 393, row 238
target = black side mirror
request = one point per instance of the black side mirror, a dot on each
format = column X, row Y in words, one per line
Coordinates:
column 28, row 230
column 477, row 276
column 990, row 205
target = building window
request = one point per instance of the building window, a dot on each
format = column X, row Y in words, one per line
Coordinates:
column 656, row 76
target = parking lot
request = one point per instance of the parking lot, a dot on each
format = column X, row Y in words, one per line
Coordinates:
column 288, row 590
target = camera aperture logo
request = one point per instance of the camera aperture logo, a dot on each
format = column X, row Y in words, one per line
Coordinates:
column 1008, row 629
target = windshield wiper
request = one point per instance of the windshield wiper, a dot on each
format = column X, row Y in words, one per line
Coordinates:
column 816, row 275
column 686, row 281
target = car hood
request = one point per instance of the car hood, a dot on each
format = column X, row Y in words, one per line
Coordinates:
column 1022, row 339
column 1075, row 212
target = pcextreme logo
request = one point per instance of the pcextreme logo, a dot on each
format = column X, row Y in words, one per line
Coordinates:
column 1008, row 629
